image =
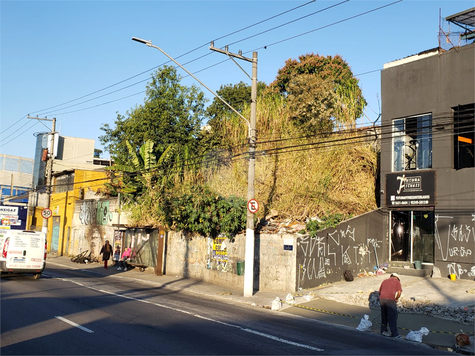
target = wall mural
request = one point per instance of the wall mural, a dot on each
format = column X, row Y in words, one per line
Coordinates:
column 457, row 248
column 95, row 212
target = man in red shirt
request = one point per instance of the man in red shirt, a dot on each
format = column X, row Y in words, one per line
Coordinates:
column 389, row 293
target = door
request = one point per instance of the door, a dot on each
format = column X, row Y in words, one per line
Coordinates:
column 400, row 235
column 55, row 234
column 160, row 248
column 423, row 236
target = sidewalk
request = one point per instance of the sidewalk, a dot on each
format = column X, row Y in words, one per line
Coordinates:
column 343, row 303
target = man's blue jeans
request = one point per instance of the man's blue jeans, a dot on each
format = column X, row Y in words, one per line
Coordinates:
column 389, row 315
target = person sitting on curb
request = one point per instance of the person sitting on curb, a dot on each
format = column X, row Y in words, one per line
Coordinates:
column 123, row 261
column 389, row 293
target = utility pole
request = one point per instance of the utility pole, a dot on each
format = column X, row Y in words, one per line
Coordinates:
column 249, row 257
column 49, row 165
column 249, row 254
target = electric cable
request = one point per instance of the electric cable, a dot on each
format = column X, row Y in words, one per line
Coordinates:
column 221, row 61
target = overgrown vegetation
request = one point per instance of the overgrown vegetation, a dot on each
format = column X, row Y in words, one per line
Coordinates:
column 329, row 220
column 172, row 174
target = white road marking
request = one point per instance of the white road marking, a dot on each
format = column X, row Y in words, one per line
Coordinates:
column 74, row 324
column 251, row 331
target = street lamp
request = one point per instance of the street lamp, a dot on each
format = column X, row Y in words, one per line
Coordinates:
column 249, row 254
column 149, row 43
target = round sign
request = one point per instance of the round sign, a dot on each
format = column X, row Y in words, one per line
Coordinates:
column 252, row 206
column 46, row 213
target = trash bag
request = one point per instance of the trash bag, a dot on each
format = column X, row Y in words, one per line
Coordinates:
column 308, row 297
column 276, row 304
column 290, row 299
column 348, row 276
column 365, row 323
column 417, row 335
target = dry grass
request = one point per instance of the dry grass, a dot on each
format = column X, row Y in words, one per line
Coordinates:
column 331, row 175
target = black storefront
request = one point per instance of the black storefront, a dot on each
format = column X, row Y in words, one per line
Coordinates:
column 410, row 199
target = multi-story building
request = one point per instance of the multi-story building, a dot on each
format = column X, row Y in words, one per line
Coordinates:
column 15, row 183
column 69, row 153
column 427, row 160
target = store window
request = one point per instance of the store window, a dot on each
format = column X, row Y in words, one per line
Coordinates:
column 464, row 125
column 412, row 143
column 423, row 236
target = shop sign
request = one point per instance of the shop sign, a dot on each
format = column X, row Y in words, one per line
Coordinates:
column 410, row 189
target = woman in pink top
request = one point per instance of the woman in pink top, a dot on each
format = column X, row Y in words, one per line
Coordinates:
column 122, row 262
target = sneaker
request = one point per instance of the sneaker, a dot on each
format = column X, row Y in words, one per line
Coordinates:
column 125, row 268
column 119, row 269
column 386, row 333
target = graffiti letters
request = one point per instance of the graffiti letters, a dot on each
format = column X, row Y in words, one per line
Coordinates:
column 324, row 255
column 455, row 241
column 92, row 212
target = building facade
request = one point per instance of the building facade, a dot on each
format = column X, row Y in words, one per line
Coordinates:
column 427, row 159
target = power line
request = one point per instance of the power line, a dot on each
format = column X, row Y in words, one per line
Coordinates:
column 327, row 8
column 94, row 106
column 329, row 25
column 182, row 55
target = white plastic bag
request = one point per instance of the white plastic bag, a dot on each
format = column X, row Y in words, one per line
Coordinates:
column 417, row 335
column 276, row 304
column 365, row 323
column 308, row 297
column 290, row 299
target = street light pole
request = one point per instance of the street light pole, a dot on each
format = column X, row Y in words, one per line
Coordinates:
column 249, row 254
column 250, row 238
column 149, row 43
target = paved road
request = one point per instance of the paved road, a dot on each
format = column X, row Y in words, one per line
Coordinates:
column 74, row 312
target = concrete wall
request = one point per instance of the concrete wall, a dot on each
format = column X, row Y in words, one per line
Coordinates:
column 358, row 245
column 92, row 224
column 193, row 258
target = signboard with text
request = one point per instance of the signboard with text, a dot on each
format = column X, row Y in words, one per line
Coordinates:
column 410, row 189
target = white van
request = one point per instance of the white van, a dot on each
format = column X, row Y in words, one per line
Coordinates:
column 22, row 252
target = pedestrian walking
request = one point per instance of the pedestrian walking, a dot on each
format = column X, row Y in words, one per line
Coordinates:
column 106, row 251
column 123, row 261
column 389, row 293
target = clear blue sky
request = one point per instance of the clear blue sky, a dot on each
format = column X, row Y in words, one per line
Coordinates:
column 54, row 54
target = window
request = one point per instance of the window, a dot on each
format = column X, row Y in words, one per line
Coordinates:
column 412, row 143
column 464, row 124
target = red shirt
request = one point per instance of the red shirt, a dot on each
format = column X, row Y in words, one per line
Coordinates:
column 389, row 287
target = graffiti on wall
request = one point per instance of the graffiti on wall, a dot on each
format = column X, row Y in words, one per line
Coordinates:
column 326, row 255
column 218, row 254
column 460, row 243
column 95, row 212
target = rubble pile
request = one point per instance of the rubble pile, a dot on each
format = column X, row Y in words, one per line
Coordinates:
column 462, row 315
column 287, row 226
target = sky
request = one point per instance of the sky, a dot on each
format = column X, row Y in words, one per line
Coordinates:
column 75, row 60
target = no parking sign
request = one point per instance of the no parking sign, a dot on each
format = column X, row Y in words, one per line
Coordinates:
column 252, row 206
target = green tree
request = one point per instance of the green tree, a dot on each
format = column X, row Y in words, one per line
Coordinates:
column 237, row 95
column 333, row 72
column 220, row 115
column 171, row 114
column 311, row 101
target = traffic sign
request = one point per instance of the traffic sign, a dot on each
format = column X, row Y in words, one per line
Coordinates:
column 252, row 206
column 46, row 213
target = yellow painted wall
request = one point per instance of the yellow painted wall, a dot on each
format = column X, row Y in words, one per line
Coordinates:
column 63, row 204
